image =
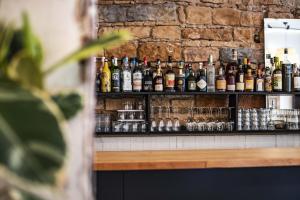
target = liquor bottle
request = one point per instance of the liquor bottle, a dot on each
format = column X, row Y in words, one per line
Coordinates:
column 180, row 78
column 268, row 79
column 137, row 78
column 233, row 64
column 277, row 76
column 158, row 80
column 287, row 69
column 115, row 75
column 106, row 78
column 191, row 81
column 148, row 80
column 211, row 75
column 126, row 76
column 188, row 70
column 296, row 80
column 249, row 81
column 259, row 83
column 245, row 65
column 157, row 66
column 170, row 77
column 240, row 79
column 221, row 81
column 201, row 79
column 230, row 82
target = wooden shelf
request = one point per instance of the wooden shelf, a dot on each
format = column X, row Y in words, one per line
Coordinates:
column 196, row 159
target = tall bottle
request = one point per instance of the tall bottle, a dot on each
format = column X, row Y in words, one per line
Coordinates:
column 158, row 79
column 157, row 66
column 221, row 81
column 249, row 81
column 126, row 76
column 170, row 77
column 233, row 64
column 230, row 82
column 268, row 79
column 191, row 81
column 211, row 75
column 296, row 81
column 148, row 80
column 115, row 75
column 240, row 79
column 137, row 78
column 287, row 69
column 259, row 82
column 106, row 78
column 277, row 76
column 180, row 78
column 201, row 79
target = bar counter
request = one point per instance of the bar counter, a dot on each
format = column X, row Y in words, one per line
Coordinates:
column 196, row 159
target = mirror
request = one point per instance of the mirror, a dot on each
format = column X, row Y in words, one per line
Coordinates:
column 281, row 34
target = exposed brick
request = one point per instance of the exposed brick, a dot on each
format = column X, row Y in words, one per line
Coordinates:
column 200, row 53
column 166, row 32
column 161, row 50
column 243, row 34
column 112, row 13
column 138, row 32
column 129, row 49
column 181, row 14
column 226, row 16
column 212, row 101
column 199, row 15
column 224, row 34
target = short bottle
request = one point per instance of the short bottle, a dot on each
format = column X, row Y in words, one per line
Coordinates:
column 180, row 78
column 221, row 81
column 259, row 83
column 169, row 77
column 277, row 76
column 158, row 80
column 106, row 78
column 201, row 81
column 296, row 80
column 268, row 79
column 240, row 79
column 191, row 81
column 148, row 80
column 249, row 81
column 115, row 75
column 230, row 82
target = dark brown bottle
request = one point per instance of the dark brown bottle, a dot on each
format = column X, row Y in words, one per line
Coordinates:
column 230, row 80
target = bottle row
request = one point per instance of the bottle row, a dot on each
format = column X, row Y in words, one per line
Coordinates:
column 237, row 75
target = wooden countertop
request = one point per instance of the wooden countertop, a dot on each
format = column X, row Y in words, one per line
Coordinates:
column 196, row 159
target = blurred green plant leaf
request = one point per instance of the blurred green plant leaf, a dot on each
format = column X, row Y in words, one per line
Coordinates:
column 6, row 35
column 105, row 42
column 31, row 135
column 69, row 103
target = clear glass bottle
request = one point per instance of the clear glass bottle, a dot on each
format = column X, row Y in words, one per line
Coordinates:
column 180, row 78
column 287, row 69
column 137, row 78
column 201, row 79
column 115, row 75
column 158, row 80
column 126, row 76
column 277, row 76
column 221, row 81
column 106, row 78
column 211, row 75
column 268, row 80
column 170, row 77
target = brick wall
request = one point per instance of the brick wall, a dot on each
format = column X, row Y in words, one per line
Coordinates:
column 191, row 29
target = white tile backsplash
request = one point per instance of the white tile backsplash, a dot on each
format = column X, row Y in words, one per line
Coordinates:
column 194, row 142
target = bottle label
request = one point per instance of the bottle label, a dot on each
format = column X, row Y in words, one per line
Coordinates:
column 231, row 87
column 127, row 86
column 170, row 80
column 137, row 81
column 259, row 85
column 180, row 84
column 201, row 84
column 211, row 78
column 191, row 85
column 116, row 80
column 297, row 82
column 221, row 84
column 148, row 85
column 158, row 87
column 240, row 86
column 268, row 84
column 249, row 84
column 241, row 78
column 277, row 81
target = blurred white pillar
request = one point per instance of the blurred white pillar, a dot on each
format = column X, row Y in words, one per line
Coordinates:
column 61, row 25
